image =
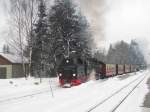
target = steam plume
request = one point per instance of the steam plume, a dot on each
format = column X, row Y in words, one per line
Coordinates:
column 94, row 11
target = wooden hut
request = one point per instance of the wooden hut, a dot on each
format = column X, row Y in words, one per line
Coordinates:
column 11, row 66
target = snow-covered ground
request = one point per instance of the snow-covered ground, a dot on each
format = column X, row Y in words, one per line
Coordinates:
column 76, row 99
column 13, row 88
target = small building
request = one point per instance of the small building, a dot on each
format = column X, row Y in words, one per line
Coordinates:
column 11, row 66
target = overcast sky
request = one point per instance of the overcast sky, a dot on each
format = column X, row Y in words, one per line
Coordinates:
column 122, row 20
column 3, row 21
column 129, row 19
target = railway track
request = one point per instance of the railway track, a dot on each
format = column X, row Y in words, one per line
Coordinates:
column 105, row 102
column 27, row 95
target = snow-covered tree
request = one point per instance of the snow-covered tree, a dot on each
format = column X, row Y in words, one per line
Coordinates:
column 68, row 30
column 40, row 36
column 22, row 17
column 124, row 53
column 111, row 55
column 136, row 56
column 100, row 55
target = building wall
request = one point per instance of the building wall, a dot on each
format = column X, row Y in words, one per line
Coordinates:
column 8, row 70
column 11, row 70
column 17, row 70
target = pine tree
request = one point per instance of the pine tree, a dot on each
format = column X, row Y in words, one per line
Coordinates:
column 40, row 36
column 111, row 55
column 69, row 25
column 122, row 52
column 6, row 49
column 68, row 32
column 136, row 56
column 119, row 54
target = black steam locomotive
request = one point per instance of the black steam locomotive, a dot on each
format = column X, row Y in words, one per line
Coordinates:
column 74, row 71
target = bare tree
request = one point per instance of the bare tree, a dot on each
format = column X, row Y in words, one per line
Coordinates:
column 22, row 17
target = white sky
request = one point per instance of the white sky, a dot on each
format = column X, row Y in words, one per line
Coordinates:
column 3, row 22
column 123, row 20
column 127, row 19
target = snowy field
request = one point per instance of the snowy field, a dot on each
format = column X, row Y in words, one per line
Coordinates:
column 20, row 95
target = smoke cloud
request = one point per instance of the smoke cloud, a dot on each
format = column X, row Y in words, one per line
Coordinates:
column 94, row 11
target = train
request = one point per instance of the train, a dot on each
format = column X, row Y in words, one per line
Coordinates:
column 74, row 71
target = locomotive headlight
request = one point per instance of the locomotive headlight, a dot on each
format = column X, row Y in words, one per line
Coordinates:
column 67, row 61
column 74, row 75
column 60, row 74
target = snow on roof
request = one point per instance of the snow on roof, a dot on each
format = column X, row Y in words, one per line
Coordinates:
column 13, row 58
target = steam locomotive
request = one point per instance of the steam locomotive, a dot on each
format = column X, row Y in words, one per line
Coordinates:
column 74, row 71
